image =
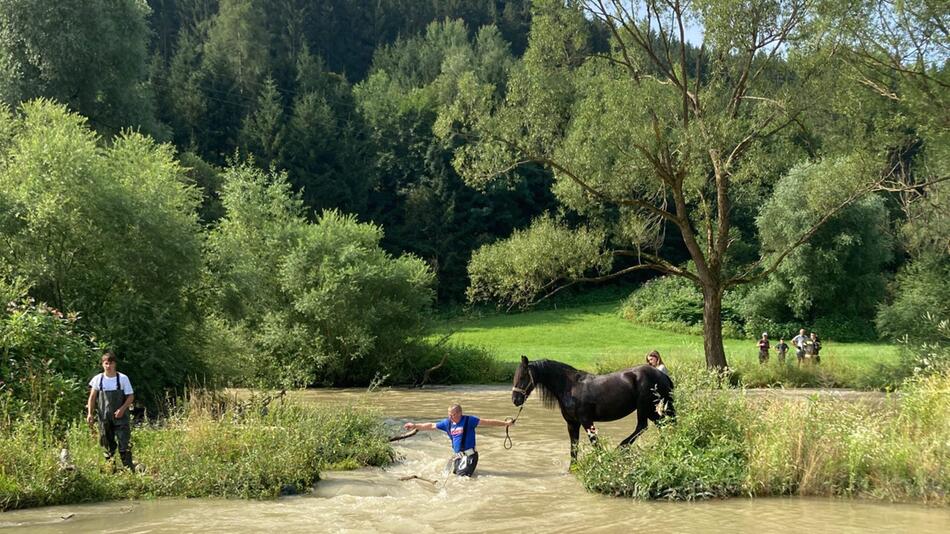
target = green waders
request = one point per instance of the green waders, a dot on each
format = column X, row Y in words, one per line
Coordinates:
column 114, row 433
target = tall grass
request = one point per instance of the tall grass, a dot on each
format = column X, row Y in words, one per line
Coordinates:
column 725, row 444
column 210, row 446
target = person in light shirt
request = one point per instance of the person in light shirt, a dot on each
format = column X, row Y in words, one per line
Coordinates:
column 110, row 396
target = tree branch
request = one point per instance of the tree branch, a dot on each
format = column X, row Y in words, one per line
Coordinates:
column 544, row 160
column 604, row 278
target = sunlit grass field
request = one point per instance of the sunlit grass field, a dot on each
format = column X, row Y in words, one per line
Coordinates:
column 594, row 335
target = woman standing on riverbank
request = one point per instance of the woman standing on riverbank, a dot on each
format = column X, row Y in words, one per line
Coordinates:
column 654, row 360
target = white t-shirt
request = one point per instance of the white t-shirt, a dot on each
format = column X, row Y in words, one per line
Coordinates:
column 108, row 384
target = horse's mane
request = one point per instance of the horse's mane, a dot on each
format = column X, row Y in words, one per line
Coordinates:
column 553, row 379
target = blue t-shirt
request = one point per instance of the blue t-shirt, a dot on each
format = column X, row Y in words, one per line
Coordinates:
column 455, row 431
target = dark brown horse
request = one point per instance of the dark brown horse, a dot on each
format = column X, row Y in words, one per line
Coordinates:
column 586, row 398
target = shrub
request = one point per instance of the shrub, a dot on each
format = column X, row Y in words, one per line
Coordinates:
column 210, row 446
column 724, row 443
column 44, row 360
column 701, row 455
column 841, row 328
column 755, row 325
column 923, row 358
column 311, row 302
column 674, row 303
column 921, row 290
column 107, row 230
column 840, row 270
column 454, row 363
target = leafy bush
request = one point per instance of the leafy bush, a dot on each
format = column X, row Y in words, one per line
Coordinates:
column 699, row 456
column 840, row 272
column 922, row 358
column 725, row 443
column 44, row 361
column 518, row 270
column 312, row 302
column 755, row 325
column 921, row 290
column 675, row 304
column 107, row 230
column 453, row 363
column 841, row 328
column 210, row 446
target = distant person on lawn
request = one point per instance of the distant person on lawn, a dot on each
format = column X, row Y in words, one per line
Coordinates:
column 800, row 341
column 782, row 349
column 815, row 348
column 764, row 348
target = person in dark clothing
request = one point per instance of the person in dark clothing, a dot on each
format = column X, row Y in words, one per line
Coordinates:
column 461, row 430
column 764, row 348
column 782, row 349
column 110, row 396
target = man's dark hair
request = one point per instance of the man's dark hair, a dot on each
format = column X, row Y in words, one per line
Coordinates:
column 108, row 355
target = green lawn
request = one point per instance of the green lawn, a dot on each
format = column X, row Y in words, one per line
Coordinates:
column 587, row 334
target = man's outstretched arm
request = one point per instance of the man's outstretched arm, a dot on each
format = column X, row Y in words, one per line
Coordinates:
column 494, row 422
column 419, row 426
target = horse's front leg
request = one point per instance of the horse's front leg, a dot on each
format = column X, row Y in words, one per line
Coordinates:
column 641, row 426
column 574, row 431
column 591, row 431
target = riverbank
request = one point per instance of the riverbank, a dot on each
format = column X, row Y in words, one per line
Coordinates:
column 595, row 338
column 210, row 446
column 766, row 446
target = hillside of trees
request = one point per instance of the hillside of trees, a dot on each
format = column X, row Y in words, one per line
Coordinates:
column 284, row 192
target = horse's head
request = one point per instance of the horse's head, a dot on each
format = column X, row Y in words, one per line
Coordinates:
column 523, row 384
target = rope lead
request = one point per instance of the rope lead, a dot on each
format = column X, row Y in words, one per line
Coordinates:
column 508, row 443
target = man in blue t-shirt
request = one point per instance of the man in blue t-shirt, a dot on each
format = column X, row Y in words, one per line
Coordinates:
column 461, row 429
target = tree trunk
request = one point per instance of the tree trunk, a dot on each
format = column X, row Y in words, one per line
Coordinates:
column 712, row 328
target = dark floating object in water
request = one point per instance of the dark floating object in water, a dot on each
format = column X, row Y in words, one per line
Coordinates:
column 417, row 477
column 406, row 435
column 67, row 516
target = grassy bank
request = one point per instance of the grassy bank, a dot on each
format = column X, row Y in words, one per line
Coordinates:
column 210, row 447
column 726, row 445
column 594, row 337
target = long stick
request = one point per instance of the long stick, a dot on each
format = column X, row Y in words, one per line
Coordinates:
column 406, row 435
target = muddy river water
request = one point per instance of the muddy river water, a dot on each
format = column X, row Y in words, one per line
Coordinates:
column 525, row 489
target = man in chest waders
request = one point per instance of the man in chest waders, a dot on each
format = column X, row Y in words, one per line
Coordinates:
column 110, row 396
column 461, row 429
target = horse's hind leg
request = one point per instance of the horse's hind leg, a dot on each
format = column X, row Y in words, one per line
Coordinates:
column 641, row 426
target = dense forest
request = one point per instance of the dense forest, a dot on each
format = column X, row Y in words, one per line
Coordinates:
column 284, row 191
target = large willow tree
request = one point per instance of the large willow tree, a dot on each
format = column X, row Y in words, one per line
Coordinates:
column 647, row 137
